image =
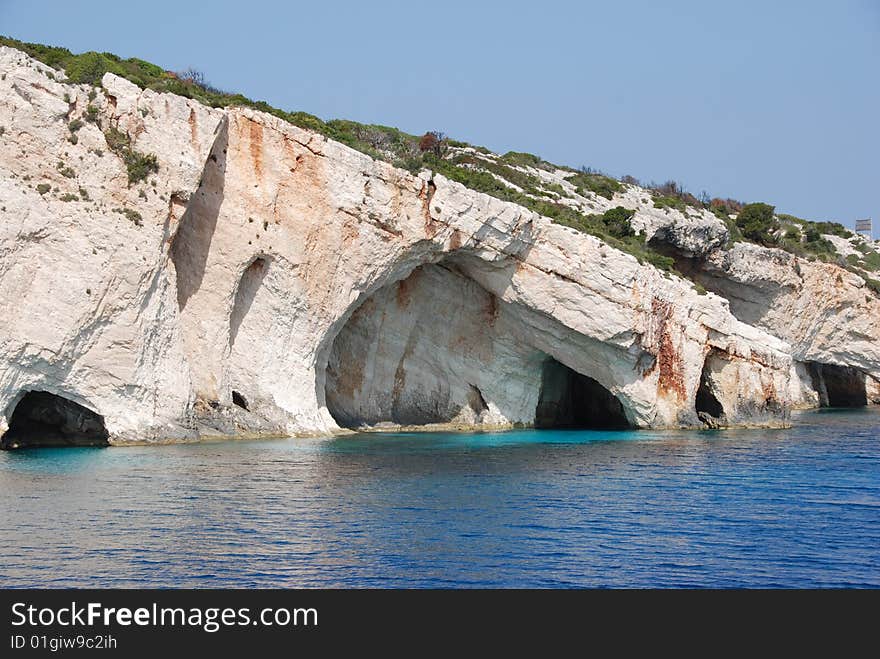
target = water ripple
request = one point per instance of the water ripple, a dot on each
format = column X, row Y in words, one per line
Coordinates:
column 794, row 508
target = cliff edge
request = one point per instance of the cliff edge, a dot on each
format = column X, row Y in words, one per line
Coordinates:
column 172, row 271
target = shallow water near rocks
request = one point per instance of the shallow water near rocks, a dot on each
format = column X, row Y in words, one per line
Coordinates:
column 542, row 508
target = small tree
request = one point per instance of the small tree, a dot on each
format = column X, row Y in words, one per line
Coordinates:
column 669, row 189
column 812, row 234
column 756, row 221
column 193, row 76
column 617, row 220
column 433, row 141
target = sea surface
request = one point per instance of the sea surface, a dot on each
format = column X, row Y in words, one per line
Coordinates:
column 537, row 508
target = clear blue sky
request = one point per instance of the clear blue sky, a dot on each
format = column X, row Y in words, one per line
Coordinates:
column 757, row 100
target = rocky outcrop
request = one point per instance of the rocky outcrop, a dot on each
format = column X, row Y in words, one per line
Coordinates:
column 826, row 314
column 267, row 280
column 89, row 306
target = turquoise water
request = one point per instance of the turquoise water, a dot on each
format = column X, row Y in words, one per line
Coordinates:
column 797, row 507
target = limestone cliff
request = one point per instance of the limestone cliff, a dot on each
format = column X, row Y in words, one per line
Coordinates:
column 266, row 280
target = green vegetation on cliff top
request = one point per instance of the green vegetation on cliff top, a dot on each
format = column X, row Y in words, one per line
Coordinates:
column 752, row 222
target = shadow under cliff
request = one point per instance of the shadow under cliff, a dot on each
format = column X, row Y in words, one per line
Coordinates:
column 191, row 243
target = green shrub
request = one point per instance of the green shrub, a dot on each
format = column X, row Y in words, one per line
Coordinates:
column 873, row 284
column 117, row 141
column 673, row 195
column 553, row 187
column 69, row 197
column 617, row 221
column 660, row 261
column 595, row 225
column 91, row 114
column 872, row 261
column 49, row 55
column 833, row 228
column 724, row 208
column 75, row 125
column 88, row 68
column 139, row 165
column 791, row 219
column 809, row 237
column 529, row 184
column 519, row 159
column 43, row 188
column 756, row 223
column 822, row 248
column 602, row 185
column 670, row 202
column 819, row 246
column 131, row 215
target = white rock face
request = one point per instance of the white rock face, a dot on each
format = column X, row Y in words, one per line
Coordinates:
column 88, row 303
column 274, row 277
column 435, row 347
column 824, row 312
column 843, row 246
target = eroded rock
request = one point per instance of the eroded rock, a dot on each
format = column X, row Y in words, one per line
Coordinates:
column 276, row 279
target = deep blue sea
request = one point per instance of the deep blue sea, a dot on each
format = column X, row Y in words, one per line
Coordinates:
column 557, row 509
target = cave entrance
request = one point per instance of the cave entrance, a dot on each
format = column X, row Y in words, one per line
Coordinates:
column 571, row 400
column 239, row 400
column 709, row 409
column 439, row 348
column 838, row 386
column 44, row 419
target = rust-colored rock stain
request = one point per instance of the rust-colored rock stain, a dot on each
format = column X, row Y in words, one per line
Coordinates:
column 255, row 136
column 426, row 194
column 193, row 128
column 491, row 310
column 405, row 288
column 455, row 241
column 669, row 362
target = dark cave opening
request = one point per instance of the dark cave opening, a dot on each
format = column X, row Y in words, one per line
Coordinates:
column 476, row 401
column 239, row 400
column 709, row 409
column 838, row 386
column 571, row 400
column 44, row 419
